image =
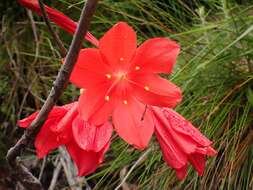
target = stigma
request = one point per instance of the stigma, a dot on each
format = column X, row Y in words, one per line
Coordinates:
column 121, row 75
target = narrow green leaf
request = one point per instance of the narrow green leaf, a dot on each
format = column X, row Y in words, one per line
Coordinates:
column 250, row 96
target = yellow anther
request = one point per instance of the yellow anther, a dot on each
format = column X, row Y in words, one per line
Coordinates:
column 107, row 98
column 121, row 59
column 108, row 76
column 125, row 102
column 137, row 68
column 81, row 90
column 146, row 88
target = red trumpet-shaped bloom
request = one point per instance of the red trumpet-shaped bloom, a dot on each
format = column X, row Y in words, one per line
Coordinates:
column 120, row 80
column 181, row 142
column 85, row 142
column 58, row 18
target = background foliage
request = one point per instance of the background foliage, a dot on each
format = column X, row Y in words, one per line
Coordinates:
column 214, row 69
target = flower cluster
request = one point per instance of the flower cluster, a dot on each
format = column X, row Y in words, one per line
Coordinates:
column 120, row 83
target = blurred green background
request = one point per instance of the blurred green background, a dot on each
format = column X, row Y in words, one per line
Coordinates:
column 214, row 70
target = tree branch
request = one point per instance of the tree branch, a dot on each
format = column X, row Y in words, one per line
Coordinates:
column 28, row 180
column 58, row 41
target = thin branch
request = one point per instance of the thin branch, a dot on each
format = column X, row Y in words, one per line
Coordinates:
column 42, row 167
column 57, row 89
column 58, row 41
column 66, row 163
column 55, row 176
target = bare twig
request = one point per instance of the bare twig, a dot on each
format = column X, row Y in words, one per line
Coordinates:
column 21, row 173
column 25, row 177
column 69, row 170
column 58, row 41
column 42, row 167
column 66, row 167
column 55, row 175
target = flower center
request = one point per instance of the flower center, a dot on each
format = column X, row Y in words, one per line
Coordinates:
column 121, row 75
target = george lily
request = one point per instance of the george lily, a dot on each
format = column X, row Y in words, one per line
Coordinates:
column 62, row 127
column 120, row 80
column 181, row 142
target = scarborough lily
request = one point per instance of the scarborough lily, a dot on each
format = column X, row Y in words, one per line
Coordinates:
column 62, row 128
column 181, row 142
column 120, row 80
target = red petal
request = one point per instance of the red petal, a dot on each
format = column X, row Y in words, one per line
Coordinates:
column 172, row 152
column 182, row 172
column 131, row 125
column 63, row 127
column 183, row 126
column 57, row 17
column 86, row 161
column 198, row 162
column 157, row 55
column 24, row 123
column 67, row 119
column 55, row 112
column 47, row 140
column 185, row 143
column 93, row 105
column 154, row 90
column 118, row 45
column 90, row 137
column 188, row 138
column 89, row 69
column 69, row 106
column 209, row 151
column 195, row 147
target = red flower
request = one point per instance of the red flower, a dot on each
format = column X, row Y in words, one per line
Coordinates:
column 57, row 17
column 181, row 142
column 121, row 79
column 85, row 143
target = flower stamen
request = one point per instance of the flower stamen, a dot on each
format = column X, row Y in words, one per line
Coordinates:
column 146, row 88
column 107, row 98
column 137, row 68
column 81, row 90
